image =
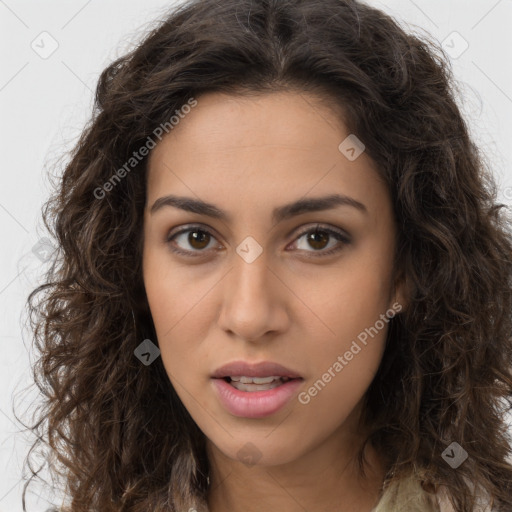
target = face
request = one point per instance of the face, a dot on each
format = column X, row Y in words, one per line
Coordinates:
column 307, row 288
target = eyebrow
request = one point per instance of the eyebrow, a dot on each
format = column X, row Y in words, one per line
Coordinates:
column 279, row 214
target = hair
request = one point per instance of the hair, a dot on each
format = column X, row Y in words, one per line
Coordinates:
column 114, row 429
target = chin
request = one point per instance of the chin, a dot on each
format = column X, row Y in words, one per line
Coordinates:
column 253, row 452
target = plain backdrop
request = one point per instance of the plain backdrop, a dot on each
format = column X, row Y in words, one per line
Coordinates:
column 52, row 53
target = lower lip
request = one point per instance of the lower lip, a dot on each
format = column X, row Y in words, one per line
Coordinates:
column 255, row 404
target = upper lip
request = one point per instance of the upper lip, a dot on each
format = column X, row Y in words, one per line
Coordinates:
column 262, row 369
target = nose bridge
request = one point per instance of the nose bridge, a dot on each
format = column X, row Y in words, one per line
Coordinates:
column 250, row 281
column 250, row 273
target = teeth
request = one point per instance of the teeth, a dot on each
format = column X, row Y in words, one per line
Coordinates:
column 244, row 383
column 255, row 380
column 256, row 387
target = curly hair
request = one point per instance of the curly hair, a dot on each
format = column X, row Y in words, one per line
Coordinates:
column 115, row 431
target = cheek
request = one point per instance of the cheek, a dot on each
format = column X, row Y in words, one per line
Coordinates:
column 350, row 304
column 346, row 359
column 171, row 293
column 181, row 315
column 350, row 298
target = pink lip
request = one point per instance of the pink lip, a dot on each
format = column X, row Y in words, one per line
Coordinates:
column 262, row 369
column 255, row 404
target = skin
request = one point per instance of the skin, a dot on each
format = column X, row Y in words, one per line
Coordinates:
column 247, row 156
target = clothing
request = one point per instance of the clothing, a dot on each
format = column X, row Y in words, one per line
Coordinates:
column 407, row 495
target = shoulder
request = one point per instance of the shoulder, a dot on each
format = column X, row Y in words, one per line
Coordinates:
column 483, row 502
column 407, row 495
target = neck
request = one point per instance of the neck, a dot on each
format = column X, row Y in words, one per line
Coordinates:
column 325, row 479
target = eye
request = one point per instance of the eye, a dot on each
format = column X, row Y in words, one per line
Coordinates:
column 318, row 236
column 199, row 239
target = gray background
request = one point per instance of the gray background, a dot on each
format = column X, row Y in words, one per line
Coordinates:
column 46, row 99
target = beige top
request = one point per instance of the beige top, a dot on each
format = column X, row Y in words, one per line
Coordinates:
column 407, row 495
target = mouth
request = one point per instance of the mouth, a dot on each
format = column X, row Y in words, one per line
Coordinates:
column 255, row 399
column 255, row 390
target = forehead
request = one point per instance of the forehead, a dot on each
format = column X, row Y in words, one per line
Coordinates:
column 260, row 149
column 291, row 120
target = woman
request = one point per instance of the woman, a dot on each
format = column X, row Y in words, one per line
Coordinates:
column 284, row 282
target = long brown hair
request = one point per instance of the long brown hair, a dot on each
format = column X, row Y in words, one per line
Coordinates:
column 114, row 430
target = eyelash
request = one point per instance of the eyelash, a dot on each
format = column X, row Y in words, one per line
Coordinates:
column 338, row 235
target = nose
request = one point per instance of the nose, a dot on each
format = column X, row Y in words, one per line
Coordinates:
column 255, row 301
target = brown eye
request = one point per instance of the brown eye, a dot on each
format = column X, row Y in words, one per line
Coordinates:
column 318, row 238
column 197, row 239
column 191, row 240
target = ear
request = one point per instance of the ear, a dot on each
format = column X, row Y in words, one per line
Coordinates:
column 402, row 294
